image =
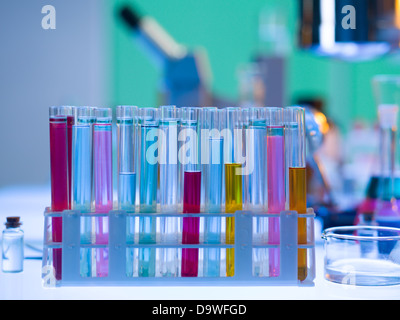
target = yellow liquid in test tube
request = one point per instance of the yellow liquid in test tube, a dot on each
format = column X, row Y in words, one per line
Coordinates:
column 298, row 202
column 233, row 203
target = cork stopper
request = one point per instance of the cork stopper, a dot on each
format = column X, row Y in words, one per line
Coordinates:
column 13, row 222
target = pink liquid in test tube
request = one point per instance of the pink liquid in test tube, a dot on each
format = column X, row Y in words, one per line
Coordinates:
column 190, row 233
column 102, row 161
column 59, row 183
column 276, row 191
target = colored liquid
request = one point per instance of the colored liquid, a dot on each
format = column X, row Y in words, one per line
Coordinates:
column 59, row 183
column 127, row 191
column 70, row 122
column 212, row 225
column 82, row 168
column 103, row 190
column 102, row 139
column 148, row 204
column 191, row 232
column 233, row 203
column 298, row 202
column 126, row 165
column 276, row 191
column 148, row 175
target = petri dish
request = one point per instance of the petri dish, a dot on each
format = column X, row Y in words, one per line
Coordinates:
column 362, row 255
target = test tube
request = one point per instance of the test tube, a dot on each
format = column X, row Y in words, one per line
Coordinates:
column 213, row 162
column 126, row 139
column 189, row 158
column 60, row 190
column 275, row 182
column 148, row 168
column 255, row 180
column 103, row 186
column 295, row 147
column 82, row 159
column 232, row 128
column 169, row 187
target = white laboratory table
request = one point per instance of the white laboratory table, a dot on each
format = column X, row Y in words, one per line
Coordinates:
column 29, row 204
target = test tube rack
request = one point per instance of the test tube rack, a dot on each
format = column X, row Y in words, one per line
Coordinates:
column 118, row 244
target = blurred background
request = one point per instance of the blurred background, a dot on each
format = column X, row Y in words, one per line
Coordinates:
column 268, row 52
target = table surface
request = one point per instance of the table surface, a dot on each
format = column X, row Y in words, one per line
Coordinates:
column 29, row 203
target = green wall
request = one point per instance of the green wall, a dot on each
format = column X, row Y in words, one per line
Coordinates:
column 228, row 31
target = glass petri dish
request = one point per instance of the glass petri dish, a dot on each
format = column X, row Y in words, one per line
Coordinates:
column 362, row 255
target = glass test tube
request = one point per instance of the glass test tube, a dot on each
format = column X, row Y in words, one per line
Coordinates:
column 148, row 168
column 82, row 159
column 189, row 158
column 82, row 179
column 103, row 186
column 295, row 145
column 59, row 176
column 212, row 160
column 256, row 138
column 255, row 180
column 275, row 182
column 233, row 179
column 126, row 139
column 169, row 187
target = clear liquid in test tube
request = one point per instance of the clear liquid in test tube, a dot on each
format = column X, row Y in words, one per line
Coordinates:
column 169, row 188
column 148, row 180
column 212, row 163
column 126, row 139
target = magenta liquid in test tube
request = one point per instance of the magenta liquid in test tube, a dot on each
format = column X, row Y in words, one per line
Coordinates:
column 103, row 185
column 60, row 188
column 276, row 182
column 189, row 158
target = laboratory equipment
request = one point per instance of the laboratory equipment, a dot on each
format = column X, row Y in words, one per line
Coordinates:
column 275, row 180
column 387, row 95
column 213, row 163
column 353, row 255
column 349, row 30
column 82, row 159
column 175, row 235
column 126, row 137
column 120, row 274
column 103, row 185
column 232, row 127
column 170, row 193
column 13, row 246
column 185, row 77
column 192, row 175
column 295, row 149
column 60, row 119
column 148, row 182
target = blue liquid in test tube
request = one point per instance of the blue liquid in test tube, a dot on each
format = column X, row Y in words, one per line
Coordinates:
column 148, row 125
column 213, row 176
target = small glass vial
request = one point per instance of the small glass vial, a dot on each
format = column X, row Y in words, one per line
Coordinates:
column 13, row 246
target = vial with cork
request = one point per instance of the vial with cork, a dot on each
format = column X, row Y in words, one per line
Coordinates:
column 13, row 246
